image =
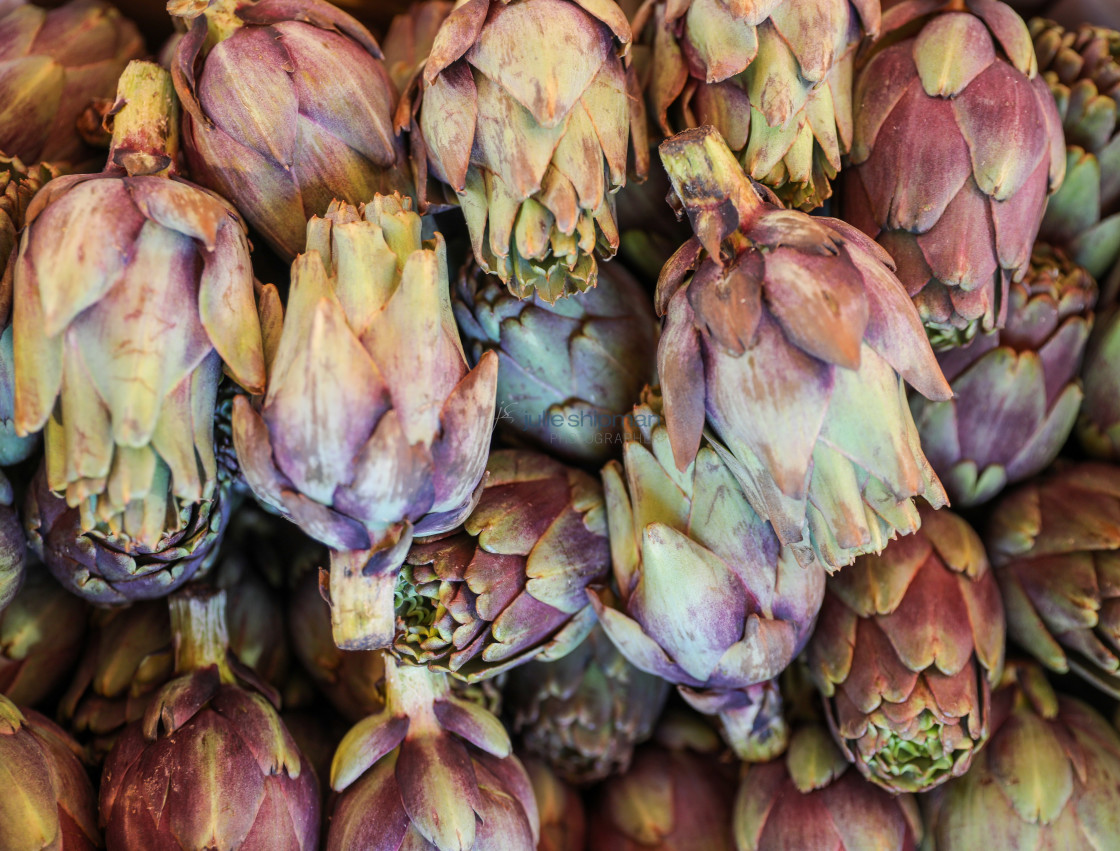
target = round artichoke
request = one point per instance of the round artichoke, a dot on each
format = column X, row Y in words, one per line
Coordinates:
column 568, row 373
column 511, row 584
column 1098, row 426
column 1015, row 391
column 526, row 109
column 294, row 93
column 907, row 649
column 957, row 144
column 238, row 777
column 811, row 800
column 48, row 801
column 787, row 334
column 563, row 823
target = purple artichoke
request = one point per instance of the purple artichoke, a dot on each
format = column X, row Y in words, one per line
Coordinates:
column 563, row 822
column 293, row 93
column 957, row 145
column 1098, row 426
column 1015, row 391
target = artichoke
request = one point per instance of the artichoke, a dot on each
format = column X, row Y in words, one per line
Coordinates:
column 133, row 292
column 410, row 38
column 708, row 597
column 53, row 63
column 526, row 109
column 585, row 713
column 42, row 633
column 907, row 649
column 1049, row 778
column 373, row 427
column 18, row 185
column 957, row 144
column 239, row 780
column 1015, row 391
column 568, row 373
column 13, row 555
column 810, row 800
column 1082, row 68
column 48, row 801
column 436, row 769
column 774, row 77
column 1098, row 426
column 1055, row 548
column 293, row 93
column 563, row 823
column 511, row 584
column 789, row 338
column 676, row 796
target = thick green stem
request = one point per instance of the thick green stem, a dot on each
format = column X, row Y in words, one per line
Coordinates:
column 362, row 586
column 198, row 625
column 145, row 120
column 411, row 691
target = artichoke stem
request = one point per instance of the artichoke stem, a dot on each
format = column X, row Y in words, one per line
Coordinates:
column 198, row 624
column 362, row 588
column 221, row 17
column 145, row 121
column 411, row 691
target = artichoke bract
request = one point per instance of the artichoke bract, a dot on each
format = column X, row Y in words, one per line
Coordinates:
column 438, row 772
column 526, row 110
column 1049, row 778
column 1016, row 391
column 511, row 584
column 133, row 292
column 53, row 63
column 239, row 779
column 957, row 145
column 1082, row 68
column 1098, row 425
column 709, row 599
column 48, row 801
column 907, row 649
column 563, row 822
column 812, row 799
column 568, row 373
column 1055, row 547
column 790, row 336
column 774, row 77
column 373, row 427
column 287, row 107
column 585, row 713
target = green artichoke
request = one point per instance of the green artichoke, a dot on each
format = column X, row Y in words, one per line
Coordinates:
column 527, row 110
column 48, row 801
column 1082, row 68
column 1049, row 778
column 787, row 334
column 773, row 76
column 563, row 823
column 585, row 713
column 436, row 769
column 511, row 584
column 811, row 800
column 1015, row 391
column 1055, row 547
column 908, row 646
column 568, row 373
column 1098, row 426
column 957, row 145
column 239, row 779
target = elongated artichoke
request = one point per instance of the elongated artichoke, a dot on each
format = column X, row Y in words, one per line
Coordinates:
column 1016, row 391
column 774, row 77
column 708, row 597
column 957, row 145
column 373, row 427
column 293, row 93
column 133, row 292
column 788, row 335
column 526, row 109
column 1049, row 778
column 1082, row 68
column 1098, row 425
column 437, row 770
column 568, row 373
column 511, row 584
column 53, row 63
column 810, row 799
column 907, row 649
column 42, row 633
column 48, row 801
column 239, row 780
column 1055, row 547
column 563, row 822
column 585, row 713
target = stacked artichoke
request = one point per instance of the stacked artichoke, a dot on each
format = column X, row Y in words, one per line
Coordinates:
column 354, row 494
